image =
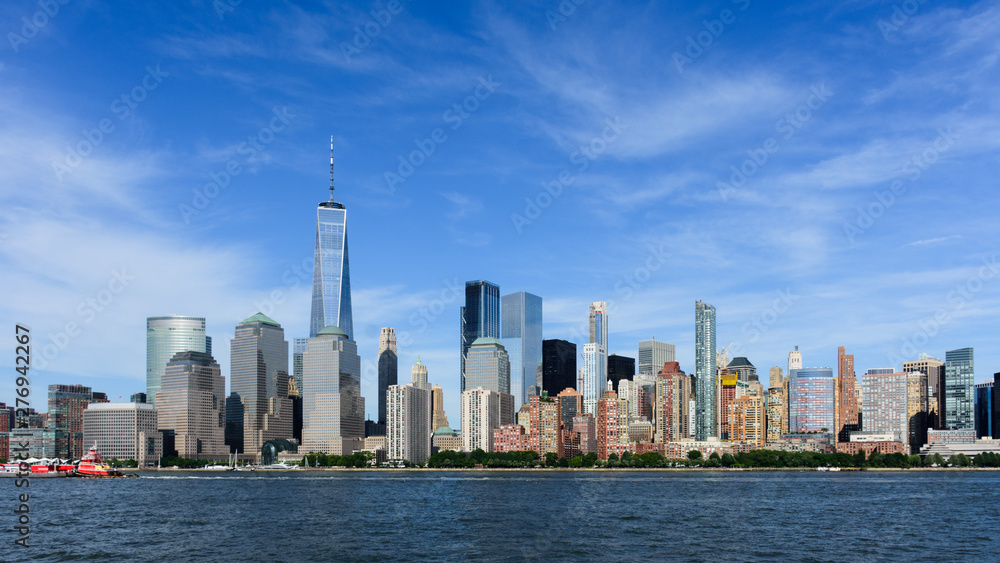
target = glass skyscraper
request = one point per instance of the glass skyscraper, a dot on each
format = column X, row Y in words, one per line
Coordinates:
column 558, row 366
column 488, row 366
column 298, row 351
column 331, row 295
column 704, row 371
column 811, row 400
column 653, row 354
column 388, row 369
column 521, row 327
column 259, row 377
column 165, row 337
column 959, row 377
column 480, row 317
column 984, row 410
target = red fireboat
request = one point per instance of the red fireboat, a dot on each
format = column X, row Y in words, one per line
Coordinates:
column 92, row 465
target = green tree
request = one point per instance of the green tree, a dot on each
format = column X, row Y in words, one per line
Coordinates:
column 590, row 459
column 715, row 456
column 551, row 459
column 728, row 460
column 859, row 458
column 694, row 454
column 613, row 457
column 577, row 461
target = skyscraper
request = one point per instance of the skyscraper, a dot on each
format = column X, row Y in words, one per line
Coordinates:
column 594, row 376
column 811, row 394
column 418, row 376
column 438, row 417
column 916, row 409
column 331, row 292
column 234, row 423
column 744, row 370
column 388, row 368
column 191, row 404
column 620, row 368
column 408, row 432
column 705, row 368
column 259, row 377
column 959, row 377
column 484, row 410
column 673, row 395
column 66, row 406
column 847, row 407
column 599, row 323
column 298, row 351
column 794, row 360
column 480, row 317
column 933, row 368
column 984, row 409
column 996, row 406
column 165, row 336
column 653, row 354
column 885, row 405
column 521, row 330
column 333, row 408
column 558, row 366
column 487, row 366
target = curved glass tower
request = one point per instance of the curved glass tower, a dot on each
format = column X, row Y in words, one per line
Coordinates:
column 331, row 296
column 165, row 337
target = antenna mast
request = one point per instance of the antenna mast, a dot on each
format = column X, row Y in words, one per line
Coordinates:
column 331, row 168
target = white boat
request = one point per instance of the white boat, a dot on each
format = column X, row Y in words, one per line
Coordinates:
column 277, row 466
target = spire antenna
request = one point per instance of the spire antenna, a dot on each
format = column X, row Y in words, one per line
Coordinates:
column 331, row 168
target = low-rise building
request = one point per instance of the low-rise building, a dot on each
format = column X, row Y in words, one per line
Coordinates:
column 124, row 431
column 510, row 438
column 446, row 439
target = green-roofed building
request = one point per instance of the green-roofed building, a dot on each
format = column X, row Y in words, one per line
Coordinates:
column 259, row 380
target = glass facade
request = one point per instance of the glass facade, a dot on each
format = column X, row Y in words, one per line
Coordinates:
column 333, row 408
column 620, row 368
column 480, row 318
column 331, row 295
column 192, row 404
column 298, row 350
column 521, row 329
column 594, row 380
column 984, row 410
column 388, row 369
column 66, row 406
column 165, row 337
column 704, row 371
column 558, row 366
column 653, row 355
column 488, row 366
column 811, row 400
column 234, row 424
column 259, row 376
column 959, row 377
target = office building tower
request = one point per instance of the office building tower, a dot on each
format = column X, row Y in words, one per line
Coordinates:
column 484, row 410
column 124, row 431
column 521, row 330
column 438, row 417
column 745, row 371
column 811, row 394
column 705, row 371
column 165, row 337
column 885, row 405
column 570, row 405
column 848, row 419
column 408, row 432
column 480, row 318
column 646, row 393
column 333, row 410
column 776, row 377
column 959, row 377
column 546, row 426
column 653, row 354
column 191, row 403
column 388, row 368
column 66, row 406
column 748, row 420
column 794, row 360
column 331, row 290
column 259, row 377
column 620, row 368
column 916, row 409
column 298, row 352
column 594, row 371
column 558, row 366
column 933, row 368
column 234, row 423
column 487, row 366
column 673, row 398
column 418, row 376
column 296, row 398
column 983, row 409
column 138, row 398
column 599, row 323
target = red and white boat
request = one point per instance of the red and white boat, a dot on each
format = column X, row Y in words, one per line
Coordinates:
column 92, row 465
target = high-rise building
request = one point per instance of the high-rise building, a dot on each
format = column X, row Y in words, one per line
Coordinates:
column 885, row 405
column 480, row 318
column 847, row 408
column 933, row 368
column 295, row 396
column 521, row 330
column 558, row 366
column 646, row 394
column 775, row 413
column 234, row 423
column 745, row 371
column 546, row 421
column 570, row 405
column 483, row 410
column 776, row 377
column 165, row 337
column 984, row 409
column 586, row 426
column 748, row 420
column 124, row 431
column 653, row 354
column 138, row 398
column 619, row 368
column 594, row 371
column 298, row 352
column 190, row 404
column 487, row 366
column 438, row 417
column 811, row 394
column 996, row 406
column 418, row 376
column 725, row 394
column 388, row 368
column 704, row 371
column 611, row 423
column 599, row 323
column 333, row 410
column 794, row 360
column 408, row 432
column 628, row 390
column 66, row 406
column 259, row 377
column 916, row 409
column 331, row 290
column 959, row 377
column 673, row 396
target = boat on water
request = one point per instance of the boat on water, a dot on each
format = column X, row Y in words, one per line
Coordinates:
column 38, row 468
column 93, row 465
column 280, row 466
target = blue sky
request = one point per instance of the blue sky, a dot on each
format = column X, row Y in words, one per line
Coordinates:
column 824, row 176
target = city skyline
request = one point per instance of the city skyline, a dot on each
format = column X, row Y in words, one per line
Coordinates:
column 123, row 247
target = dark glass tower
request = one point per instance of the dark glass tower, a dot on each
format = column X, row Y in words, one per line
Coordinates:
column 619, row 368
column 388, row 369
column 959, row 377
column 984, row 409
column 234, row 423
column 480, row 318
column 996, row 406
column 331, row 295
column 558, row 366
